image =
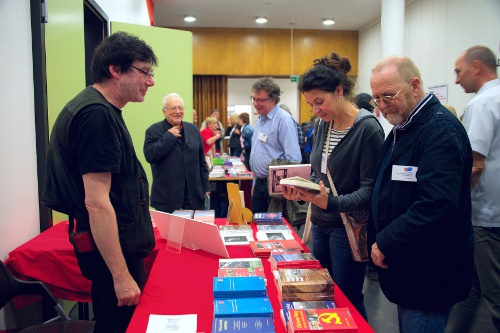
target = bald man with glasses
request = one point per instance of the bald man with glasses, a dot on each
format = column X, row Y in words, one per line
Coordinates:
column 421, row 236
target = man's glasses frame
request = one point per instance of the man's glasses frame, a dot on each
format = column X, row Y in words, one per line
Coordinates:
column 146, row 74
column 259, row 100
column 389, row 100
column 174, row 108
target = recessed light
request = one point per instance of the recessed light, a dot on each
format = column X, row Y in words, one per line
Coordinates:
column 189, row 18
column 328, row 21
column 261, row 20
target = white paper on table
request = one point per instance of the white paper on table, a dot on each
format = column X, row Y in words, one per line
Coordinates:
column 172, row 323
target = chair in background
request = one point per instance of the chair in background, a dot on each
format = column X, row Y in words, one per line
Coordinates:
column 11, row 287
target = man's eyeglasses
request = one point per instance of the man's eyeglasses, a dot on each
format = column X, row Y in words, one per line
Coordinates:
column 146, row 74
column 388, row 100
column 174, row 108
column 259, row 100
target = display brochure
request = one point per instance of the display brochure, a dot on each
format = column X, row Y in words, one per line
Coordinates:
column 279, row 172
column 172, row 323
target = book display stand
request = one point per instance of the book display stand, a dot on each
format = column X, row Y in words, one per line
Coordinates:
column 236, row 213
column 192, row 234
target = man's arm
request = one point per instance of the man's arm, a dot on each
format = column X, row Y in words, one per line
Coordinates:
column 104, row 229
column 477, row 168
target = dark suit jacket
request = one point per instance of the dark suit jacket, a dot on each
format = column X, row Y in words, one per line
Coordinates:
column 178, row 165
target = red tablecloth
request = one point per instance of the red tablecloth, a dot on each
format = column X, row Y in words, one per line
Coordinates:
column 49, row 257
column 182, row 284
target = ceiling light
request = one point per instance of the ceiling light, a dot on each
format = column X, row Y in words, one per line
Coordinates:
column 189, row 18
column 328, row 21
column 261, row 20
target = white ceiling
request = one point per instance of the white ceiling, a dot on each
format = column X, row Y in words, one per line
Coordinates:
column 281, row 14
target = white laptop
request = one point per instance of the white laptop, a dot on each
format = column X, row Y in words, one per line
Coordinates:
column 190, row 233
column 279, row 172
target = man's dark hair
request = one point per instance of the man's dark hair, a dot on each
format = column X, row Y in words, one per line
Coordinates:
column 268, row 85
column 120, row 49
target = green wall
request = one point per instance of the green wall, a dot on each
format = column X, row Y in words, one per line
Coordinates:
column 65, row 67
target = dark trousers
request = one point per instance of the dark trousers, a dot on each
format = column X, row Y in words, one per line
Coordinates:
column 108, row 316
column 260, row 197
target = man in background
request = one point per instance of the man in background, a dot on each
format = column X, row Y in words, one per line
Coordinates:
column 421, row 236
column 195, row 117
column 94, row 176
column 274, row 137
column 476, row 71
column 174, row 149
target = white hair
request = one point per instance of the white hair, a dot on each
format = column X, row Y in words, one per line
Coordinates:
column 170, row 96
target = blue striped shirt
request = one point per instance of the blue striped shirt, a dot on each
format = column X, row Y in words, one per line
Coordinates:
column 281, row 142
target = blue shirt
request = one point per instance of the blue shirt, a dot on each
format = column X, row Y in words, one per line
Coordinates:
column 482, row 123
column 274, row 136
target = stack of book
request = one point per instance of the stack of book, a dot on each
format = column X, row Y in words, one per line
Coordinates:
column 263, row 249
column 239, row 263
column 204, row 215
column 241, row 267
column 287, row 306
column 338, row 320
column 272, row 227
column 308, row 284
column 274, row 235
column 268, row 218
column 293, row 260
column 236, row 234
column 185, row 213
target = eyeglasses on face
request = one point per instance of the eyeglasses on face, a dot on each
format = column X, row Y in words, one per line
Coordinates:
column 388, row 100
column 259, row 100
column 146, row 74
column 174, row 108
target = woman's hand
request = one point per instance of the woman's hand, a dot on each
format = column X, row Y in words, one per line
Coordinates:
column 320, row 198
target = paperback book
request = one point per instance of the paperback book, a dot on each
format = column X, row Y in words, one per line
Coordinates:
column 272, row 227
column 287, row 306
column 235, row 228
column 338, row 320
column 240, row 263
column 263, row 249
column 239, row 287
column 236, row 238
column 243, row 325
column 274, row 235
column 250, row 271
column 302, row 183
column 313, row 280
column 268, row 218
column 243, row 307
column 298, row 260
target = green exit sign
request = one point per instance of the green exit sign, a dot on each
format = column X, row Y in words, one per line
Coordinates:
column 294, row 78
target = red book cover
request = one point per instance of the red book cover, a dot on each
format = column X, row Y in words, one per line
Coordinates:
column 264, row 248
column 337, row 320
column 249, row 271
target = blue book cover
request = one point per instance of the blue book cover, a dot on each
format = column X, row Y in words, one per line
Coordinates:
column 243, row 307
column 268, row 218
column 304, row 305
column 243, row 325
column 238, row 287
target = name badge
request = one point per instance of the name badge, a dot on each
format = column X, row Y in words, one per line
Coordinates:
column 262, row 137
column 404, row 173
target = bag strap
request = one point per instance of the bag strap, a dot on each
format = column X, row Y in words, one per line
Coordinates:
column 334, row 191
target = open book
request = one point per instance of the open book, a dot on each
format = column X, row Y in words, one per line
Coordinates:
column 302, row 183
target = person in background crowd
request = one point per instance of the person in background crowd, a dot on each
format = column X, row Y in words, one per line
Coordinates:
column 346, row 145
column 245, row 138
column 476, row 71
column 308, row 139
column 210, row 134
column 300, row 134
column 274, row 137
column 421, row 236
column 195, row 117
column 94, row 176
column 174, row 149
column 233, row 132
column 215, row 113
